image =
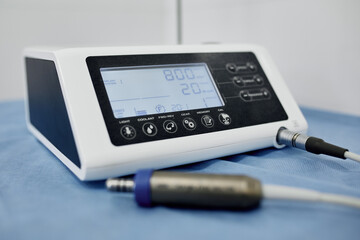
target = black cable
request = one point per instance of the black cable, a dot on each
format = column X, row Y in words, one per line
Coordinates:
column 319, row 146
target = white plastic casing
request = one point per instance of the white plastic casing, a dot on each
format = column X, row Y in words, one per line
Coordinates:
column 100, row 159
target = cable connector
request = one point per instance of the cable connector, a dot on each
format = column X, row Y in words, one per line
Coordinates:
column 313, row 145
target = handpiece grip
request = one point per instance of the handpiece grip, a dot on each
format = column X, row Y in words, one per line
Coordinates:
column 202, row 190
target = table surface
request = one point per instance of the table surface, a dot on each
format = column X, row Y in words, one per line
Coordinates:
column 41, row 199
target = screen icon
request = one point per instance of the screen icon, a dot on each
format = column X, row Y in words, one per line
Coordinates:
column 160, row 108
column 140, row 112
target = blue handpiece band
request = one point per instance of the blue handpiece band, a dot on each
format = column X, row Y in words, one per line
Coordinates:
column 142, row 187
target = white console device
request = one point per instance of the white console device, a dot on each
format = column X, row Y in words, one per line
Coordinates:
column 109, row 111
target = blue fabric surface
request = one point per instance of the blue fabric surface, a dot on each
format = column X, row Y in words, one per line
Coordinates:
column 41, row 199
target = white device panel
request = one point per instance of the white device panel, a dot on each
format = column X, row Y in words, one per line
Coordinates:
column 109, row 111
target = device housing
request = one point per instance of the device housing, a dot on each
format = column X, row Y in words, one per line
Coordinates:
column 65, row 111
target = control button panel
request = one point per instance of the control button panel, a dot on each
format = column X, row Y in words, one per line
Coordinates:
column 128, row 132
column 245, row 82
column 169, row 126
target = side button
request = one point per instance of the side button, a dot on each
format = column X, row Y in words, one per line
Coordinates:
column 238, row 81
column 255, row 94
column 231, row 67
column 251, row 66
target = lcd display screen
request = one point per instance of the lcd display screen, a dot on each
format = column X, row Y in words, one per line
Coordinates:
column 147, row 90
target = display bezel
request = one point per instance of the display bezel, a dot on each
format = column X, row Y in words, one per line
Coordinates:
column 242, row 113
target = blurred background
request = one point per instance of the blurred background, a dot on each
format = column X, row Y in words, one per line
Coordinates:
column 314, row 43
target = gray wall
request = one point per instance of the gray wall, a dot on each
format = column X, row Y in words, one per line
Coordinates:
column 316, row 44
column 76, row 22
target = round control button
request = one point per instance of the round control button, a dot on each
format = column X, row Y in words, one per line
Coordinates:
column 207, row 121
column 258, row 79
column 170, row 126
column 149, row 129
column 231, row 67
column 189, row 123
column 251, row 66
column 128, row 132
column 245, row 95
column 224, row 118
column 265, row 93
column 238, row 81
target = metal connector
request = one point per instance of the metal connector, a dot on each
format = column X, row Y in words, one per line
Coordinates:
column 120, row 184
column 291, row 139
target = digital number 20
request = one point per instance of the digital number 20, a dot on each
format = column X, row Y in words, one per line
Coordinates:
column 194, row 88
